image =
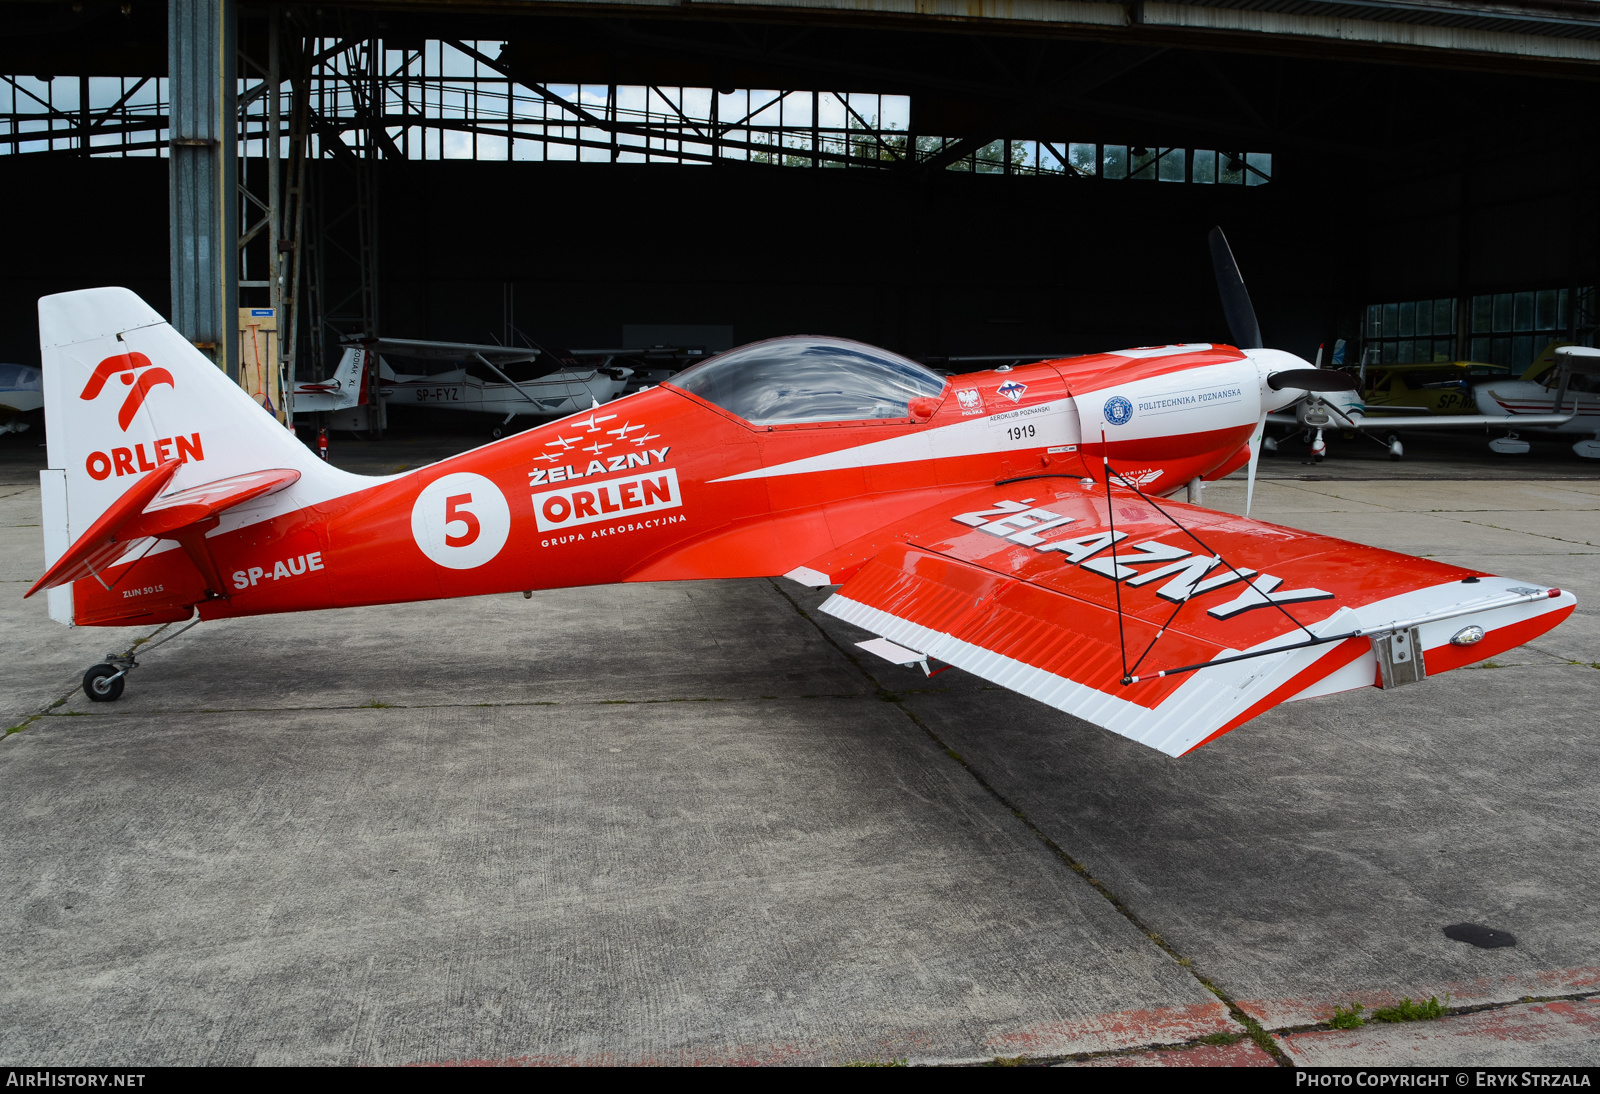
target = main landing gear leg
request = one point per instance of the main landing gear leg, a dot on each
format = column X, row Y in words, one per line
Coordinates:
column 1319, row 447
column 104, row 683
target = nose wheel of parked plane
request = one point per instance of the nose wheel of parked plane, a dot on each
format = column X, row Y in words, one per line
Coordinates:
column 104, row 683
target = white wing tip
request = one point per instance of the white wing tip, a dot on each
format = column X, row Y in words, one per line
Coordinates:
column 811, row 579
column 891, row 652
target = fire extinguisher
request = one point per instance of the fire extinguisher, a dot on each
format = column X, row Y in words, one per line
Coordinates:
column 322, row 443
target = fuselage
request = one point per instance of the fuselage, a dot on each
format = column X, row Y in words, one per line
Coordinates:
column 1528, row 397
column 665, row 485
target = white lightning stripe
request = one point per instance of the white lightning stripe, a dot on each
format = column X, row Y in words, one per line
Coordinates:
column 1161, row 351
column 976, row 437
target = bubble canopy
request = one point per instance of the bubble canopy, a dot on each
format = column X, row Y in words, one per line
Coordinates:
column 784, row 381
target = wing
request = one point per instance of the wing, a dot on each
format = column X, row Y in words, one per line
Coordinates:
column 1450, row 421
column 428, row 350
column 1166, row 623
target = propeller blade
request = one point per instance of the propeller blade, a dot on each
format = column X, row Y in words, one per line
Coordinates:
column 1312, row 379
column 1236, row 305
column 1255, row 458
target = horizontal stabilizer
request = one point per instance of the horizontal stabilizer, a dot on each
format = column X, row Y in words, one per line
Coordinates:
column 141, row 514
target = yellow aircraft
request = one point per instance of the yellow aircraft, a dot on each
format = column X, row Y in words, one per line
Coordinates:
column 1440, row 387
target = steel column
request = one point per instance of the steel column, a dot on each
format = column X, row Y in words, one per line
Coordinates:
column 201, row 64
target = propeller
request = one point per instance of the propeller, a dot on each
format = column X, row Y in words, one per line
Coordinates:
column 1236, row 305
column 1312, row 379
column 1246, row 331
column 1241, row 316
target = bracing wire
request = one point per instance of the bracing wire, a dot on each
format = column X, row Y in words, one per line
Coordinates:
column 1111, row 523
column 1209, row 551
column 1116, row 582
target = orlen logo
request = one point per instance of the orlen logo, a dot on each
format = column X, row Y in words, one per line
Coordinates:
column 139, row 375
column 164, row 449
column 125, row 366
column 615, row 499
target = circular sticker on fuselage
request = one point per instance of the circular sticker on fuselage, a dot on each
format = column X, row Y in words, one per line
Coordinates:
column 1118, row 410
column 461, row 521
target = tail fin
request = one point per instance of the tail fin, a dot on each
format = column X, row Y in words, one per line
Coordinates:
column 124, row 394
column 347, row 387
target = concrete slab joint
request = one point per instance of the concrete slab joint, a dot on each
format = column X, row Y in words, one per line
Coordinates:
column 603, row 826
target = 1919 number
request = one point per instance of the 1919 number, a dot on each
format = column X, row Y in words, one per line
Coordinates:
column 1020, row 432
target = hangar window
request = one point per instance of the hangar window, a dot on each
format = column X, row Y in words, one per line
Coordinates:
column 1109, row 161
column 1232, row 168
column 792, row 380
column 1515, row 328
column 1509, row 329
column 44, row 114
column 1416, row 330
column 443, row 100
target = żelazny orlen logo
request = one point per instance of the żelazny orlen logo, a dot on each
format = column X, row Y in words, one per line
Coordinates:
column 1012, row 390
column 1118, row 410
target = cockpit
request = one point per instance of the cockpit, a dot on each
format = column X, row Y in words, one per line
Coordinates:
column 785, row 381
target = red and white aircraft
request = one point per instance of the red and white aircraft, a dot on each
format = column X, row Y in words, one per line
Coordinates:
column 1004, row 522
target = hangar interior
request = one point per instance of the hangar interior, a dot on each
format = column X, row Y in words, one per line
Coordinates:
column 1418, row 178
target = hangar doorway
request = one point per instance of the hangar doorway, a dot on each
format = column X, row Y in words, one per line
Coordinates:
column 943, row 187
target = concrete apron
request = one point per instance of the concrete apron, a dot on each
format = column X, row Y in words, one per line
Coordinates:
column 679, row 824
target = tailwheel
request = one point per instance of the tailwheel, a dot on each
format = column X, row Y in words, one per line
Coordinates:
column 104, row 683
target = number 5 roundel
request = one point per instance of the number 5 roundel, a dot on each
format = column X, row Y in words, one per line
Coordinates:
column 461, row 521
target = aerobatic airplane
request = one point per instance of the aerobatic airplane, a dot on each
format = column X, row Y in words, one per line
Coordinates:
column 1010, row 522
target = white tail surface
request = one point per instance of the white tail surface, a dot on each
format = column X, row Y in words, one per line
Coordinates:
column 344, row 389
column 125, row 393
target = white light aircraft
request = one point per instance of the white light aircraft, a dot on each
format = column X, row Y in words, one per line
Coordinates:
column 567, row 390
column 552, row 395
column 1536, row 407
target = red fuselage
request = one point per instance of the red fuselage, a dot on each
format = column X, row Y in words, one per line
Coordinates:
column 663, row 485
